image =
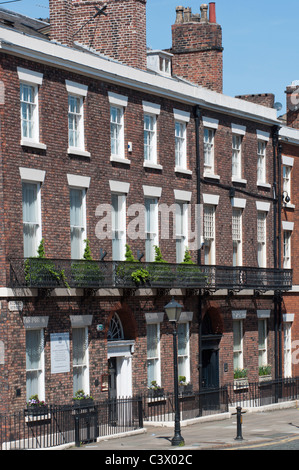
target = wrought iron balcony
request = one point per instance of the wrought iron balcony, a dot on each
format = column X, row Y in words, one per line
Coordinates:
column 50, row 273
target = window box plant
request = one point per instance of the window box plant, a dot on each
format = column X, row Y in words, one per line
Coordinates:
column 240, row 378
column 155, row 391
column 265, row 373
column 161, row 273
column 81, row 399
column 185, row 388
column 36, row 407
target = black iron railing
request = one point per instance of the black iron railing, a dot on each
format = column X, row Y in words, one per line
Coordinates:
column 51, row 273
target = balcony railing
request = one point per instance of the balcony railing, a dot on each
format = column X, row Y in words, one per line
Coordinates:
column 51, row 273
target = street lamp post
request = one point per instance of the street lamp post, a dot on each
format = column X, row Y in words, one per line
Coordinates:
column 173, row 311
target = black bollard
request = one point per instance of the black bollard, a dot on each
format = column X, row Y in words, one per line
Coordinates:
column 239, row 424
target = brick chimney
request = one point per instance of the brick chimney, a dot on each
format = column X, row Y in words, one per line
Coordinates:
column 119, row 33
column 292, row 93
column 197, row 47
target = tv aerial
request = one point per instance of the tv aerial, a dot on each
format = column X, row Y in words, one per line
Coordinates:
column 100, row 11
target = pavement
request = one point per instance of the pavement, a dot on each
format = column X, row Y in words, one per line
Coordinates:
column 218, row 432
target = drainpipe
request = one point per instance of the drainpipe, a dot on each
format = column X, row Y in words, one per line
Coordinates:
column 279, row 195
column 197, row 113
column 276, row 197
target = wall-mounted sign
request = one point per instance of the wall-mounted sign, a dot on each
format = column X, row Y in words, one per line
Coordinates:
column 104, row 382
column 60, row 353
column 15, row 306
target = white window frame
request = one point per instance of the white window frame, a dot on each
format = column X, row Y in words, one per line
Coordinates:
column 209, row 234
column 118, row 226
column 262, row 238
column 84, row 366
column 32, row 79
column 78, row 92
column 80, row 228
column 237, row 156
column 184, row 357
column 263, row 341
column 151, row 112
column 37, row 223
column 261, row 162
column 151, row 227
column 237, row 236
column 238, row 350
column 155, row 359
column 40, row 371
column 181, row 230
column 180, row 145
column 118, row 104
column 209, row 153
column 287, row 348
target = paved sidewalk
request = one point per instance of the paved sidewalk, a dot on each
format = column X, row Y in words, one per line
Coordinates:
column 258, row 426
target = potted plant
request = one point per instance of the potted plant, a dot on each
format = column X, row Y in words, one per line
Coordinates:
column 82, row 399
column 86, row 272
column 154, row 390
column 36, row 407
column 185, row 388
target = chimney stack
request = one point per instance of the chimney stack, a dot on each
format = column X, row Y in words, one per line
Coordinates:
column 119, row 34
column 197, row 47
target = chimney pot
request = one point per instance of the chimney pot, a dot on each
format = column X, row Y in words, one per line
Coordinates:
column 179, row 15
column 212, row 18
column 204, row 13
column 187, row 15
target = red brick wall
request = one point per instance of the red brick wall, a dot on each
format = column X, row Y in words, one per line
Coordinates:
column 121, row 34
column 197, row 49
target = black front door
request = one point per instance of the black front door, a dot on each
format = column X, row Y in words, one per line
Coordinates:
column 210, row 368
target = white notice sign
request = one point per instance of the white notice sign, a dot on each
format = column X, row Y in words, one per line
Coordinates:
column 60, row 353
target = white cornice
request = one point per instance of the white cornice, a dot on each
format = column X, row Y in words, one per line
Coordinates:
column 96, row 66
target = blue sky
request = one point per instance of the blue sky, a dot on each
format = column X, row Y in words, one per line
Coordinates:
column 260, row 39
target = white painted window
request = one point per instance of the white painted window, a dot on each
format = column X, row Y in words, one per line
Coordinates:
column 237, row 237
column 153, row 354
column 261, row 161
column 209, row 234
column 209, row 137
column 237, row 156
column 77, row 221
column 150, row 138
column 118, row 226
column 287, row 235
column 287, row 329
column 76, row 122
column 180, row 145
column 262, row 338
column 181, row 228
column 286, row 176
column 35, row 373
column 151, row 228
column 29, row 112
column 262, row 238
column 117, row 131
column 31, row 218
column 80, row 360
column 183, row 351
column 238, row 344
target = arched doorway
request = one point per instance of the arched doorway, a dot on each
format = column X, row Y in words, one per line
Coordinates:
column 212, row 329
column 119, row 359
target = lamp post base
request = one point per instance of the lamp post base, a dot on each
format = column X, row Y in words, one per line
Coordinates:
column 177, row 440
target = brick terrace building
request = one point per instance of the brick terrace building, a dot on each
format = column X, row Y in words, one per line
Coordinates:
column 91, row 126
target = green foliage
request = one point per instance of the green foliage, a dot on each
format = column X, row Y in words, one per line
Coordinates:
column 265, row 370
column 86, row 272
column 42, row 272
column 127, row 271
column 240, row 373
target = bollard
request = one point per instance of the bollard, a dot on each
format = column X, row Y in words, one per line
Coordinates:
column 239, row 424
